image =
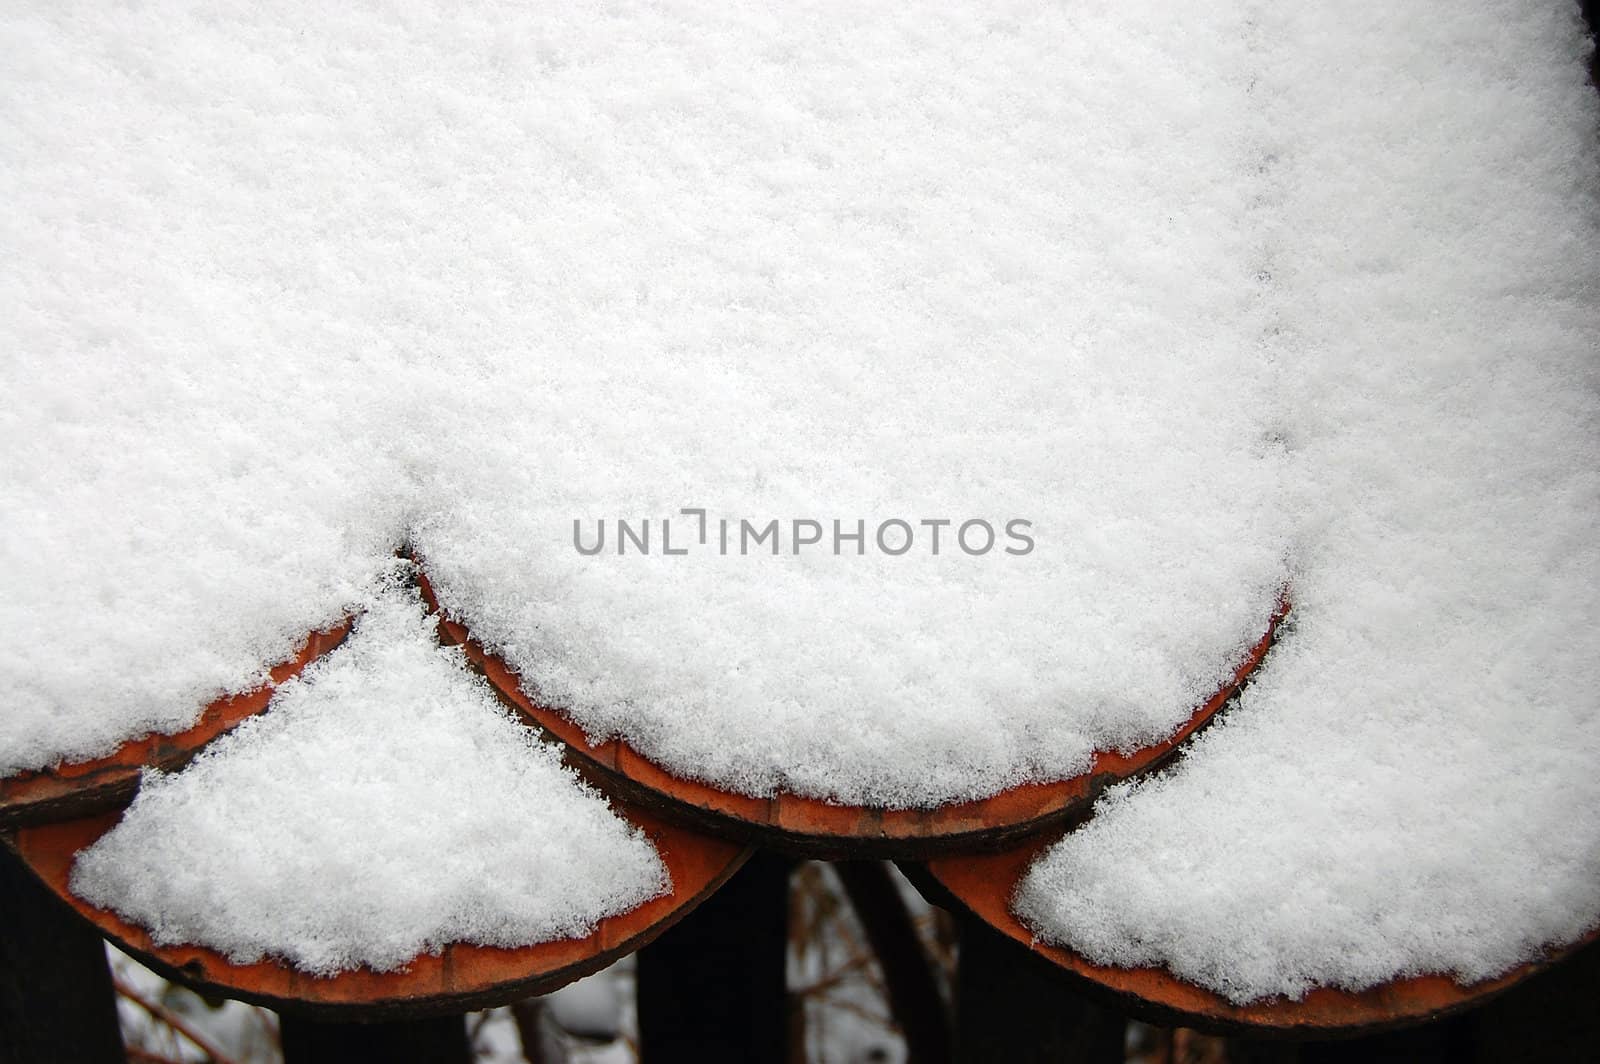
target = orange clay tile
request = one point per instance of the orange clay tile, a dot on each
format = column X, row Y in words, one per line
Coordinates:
column 83, row 787
column 983, row 886
column 817, row 828
column 458, row 978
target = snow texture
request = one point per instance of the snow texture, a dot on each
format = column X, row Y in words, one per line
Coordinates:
column 322, row 281
column 384, row 806
column 1410, row 784
column 1211, row 294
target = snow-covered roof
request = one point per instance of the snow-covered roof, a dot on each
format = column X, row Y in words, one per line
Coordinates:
column 972, row 385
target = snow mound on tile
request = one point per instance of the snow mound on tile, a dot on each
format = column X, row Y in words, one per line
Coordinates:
column 1409, row 786
column 287, row 286
column 939, row 284
column 1209, row 293
column 172, row 524
column 384, row 806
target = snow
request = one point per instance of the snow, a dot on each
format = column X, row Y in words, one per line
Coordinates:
column 384, row 806
column 466, row 278
column 1215, row 296
column 1409, row 785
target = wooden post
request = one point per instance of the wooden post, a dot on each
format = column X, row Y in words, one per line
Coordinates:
column 713, row 988
column 1447, row 1041
column 56, row 1000
column 442, row 1040
column 1014, row 1006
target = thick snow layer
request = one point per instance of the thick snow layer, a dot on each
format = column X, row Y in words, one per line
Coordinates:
column 856, row 264
column 173, row 520
column 384, row 806
column 1411, row 784
column 286, row 287
column 1210, row 294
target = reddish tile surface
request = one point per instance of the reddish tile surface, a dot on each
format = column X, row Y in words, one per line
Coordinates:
column 984, row 885
column 461, row 977
column 77, row 789
column 818, row 828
